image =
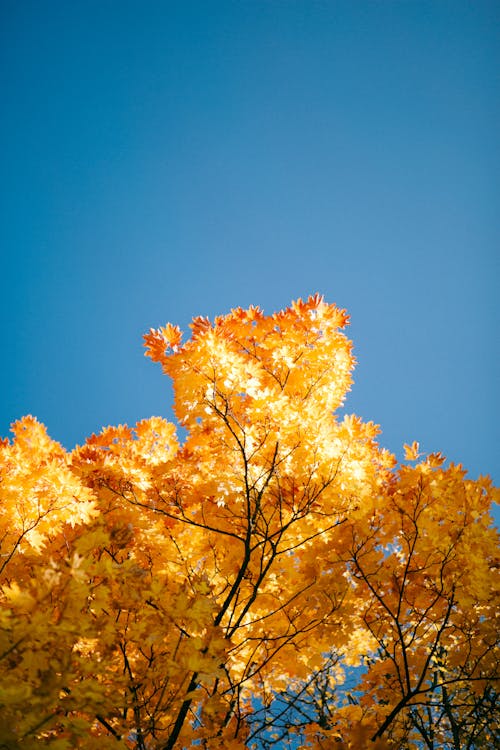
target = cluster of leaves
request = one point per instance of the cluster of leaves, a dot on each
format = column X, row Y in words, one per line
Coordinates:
column 276, row 580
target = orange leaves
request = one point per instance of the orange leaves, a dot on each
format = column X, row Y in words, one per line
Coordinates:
column 172, row 595
column 39, row 491
column 411, row 451
column 352, row 733
column 422, row 573
column 124, row 458
column 159, row 340
column 30, row 434
column 318, row 310
column 21, row 599
column 200, row 326
column 295, row 353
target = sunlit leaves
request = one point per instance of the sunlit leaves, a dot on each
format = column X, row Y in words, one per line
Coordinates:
column 276, row 580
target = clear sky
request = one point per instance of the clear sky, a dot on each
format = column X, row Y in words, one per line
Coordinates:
column 162, row 160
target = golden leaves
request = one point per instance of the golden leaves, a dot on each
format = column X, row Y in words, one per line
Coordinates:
column 411, row 451
column 200, row 326
column 159, row 340
column 247, row 362
column 21, row 599
column 166, row 592
column 39, row 492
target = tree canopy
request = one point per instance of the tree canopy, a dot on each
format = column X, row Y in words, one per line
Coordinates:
column 275, row 579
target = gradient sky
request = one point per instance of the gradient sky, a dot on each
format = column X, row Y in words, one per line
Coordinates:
column 168, row 159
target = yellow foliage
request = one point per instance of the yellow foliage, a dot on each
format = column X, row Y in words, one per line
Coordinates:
column 158, row 595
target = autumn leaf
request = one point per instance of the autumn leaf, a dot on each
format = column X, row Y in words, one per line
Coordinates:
column 411, row 451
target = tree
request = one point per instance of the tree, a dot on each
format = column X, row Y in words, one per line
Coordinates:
column 276, row 580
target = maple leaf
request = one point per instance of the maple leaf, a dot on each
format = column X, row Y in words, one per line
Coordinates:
column 411, row 451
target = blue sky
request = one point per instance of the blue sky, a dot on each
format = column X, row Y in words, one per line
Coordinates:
column 168, row 159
